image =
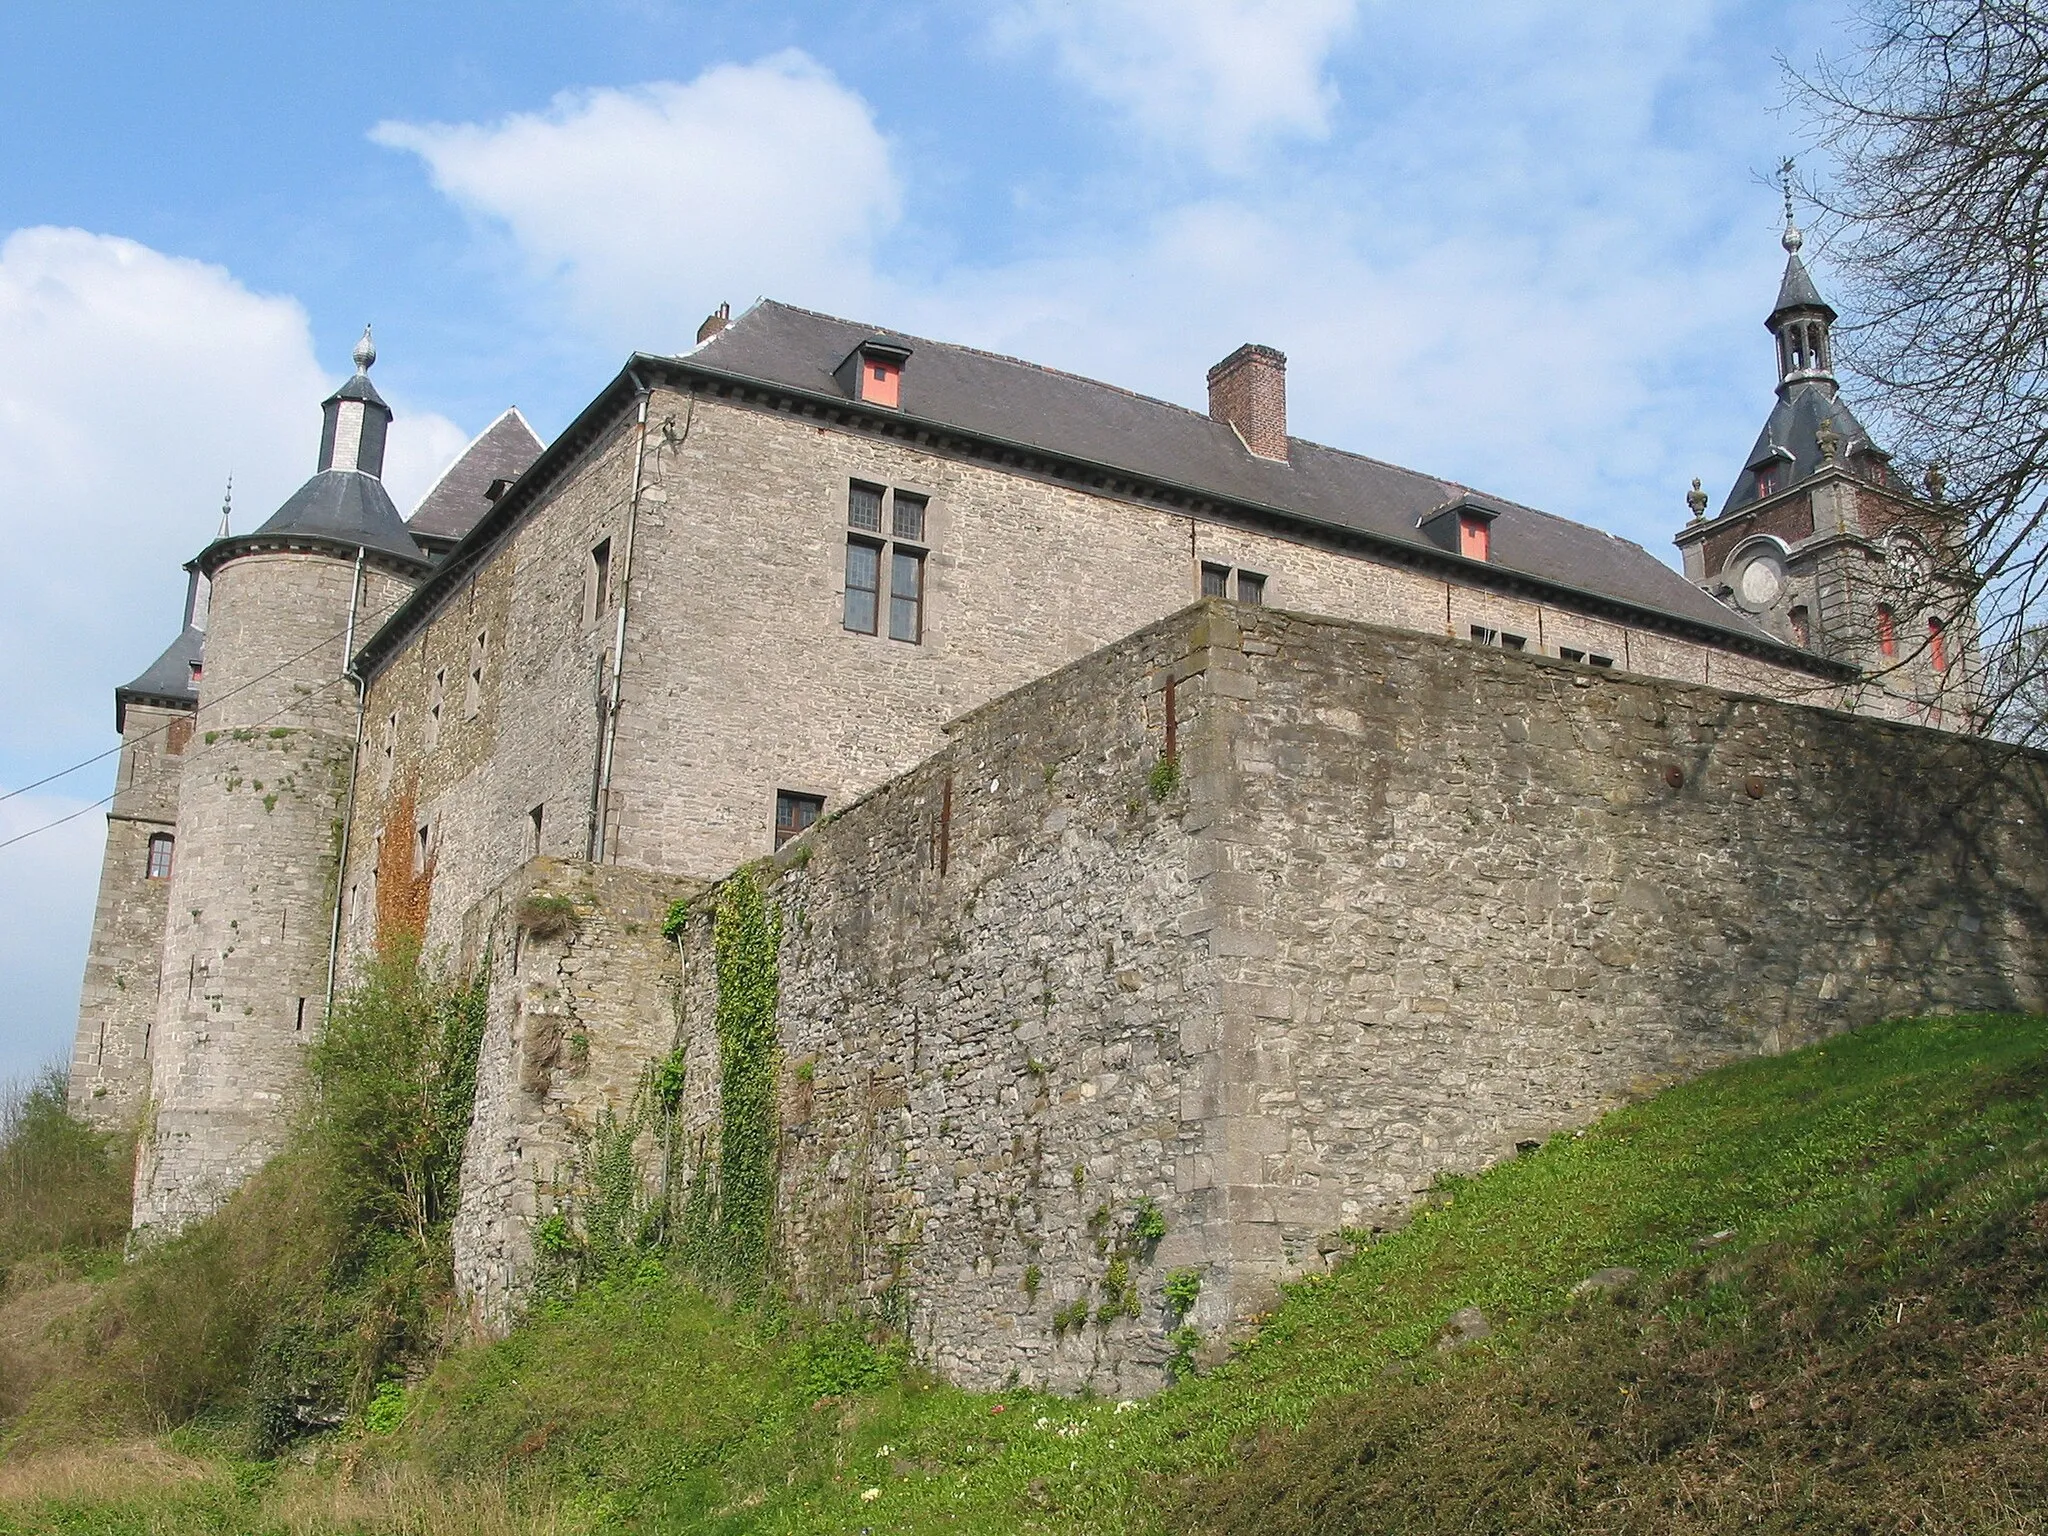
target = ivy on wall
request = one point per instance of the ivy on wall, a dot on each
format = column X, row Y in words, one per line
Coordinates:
column 745, row 937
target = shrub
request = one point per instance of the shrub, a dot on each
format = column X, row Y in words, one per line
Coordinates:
column 64, row 1187
column 1164, row 778
column 1183, row 1286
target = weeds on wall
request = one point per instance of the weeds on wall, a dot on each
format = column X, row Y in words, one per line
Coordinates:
column 745, row 938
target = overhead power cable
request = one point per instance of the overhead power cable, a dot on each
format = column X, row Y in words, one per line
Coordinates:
column 289, row 661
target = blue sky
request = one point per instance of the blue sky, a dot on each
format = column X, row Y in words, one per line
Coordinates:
column 1527, row 246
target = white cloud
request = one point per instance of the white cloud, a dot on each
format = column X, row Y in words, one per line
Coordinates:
column 654, row 203
column 1221, row 76
column 135, row 384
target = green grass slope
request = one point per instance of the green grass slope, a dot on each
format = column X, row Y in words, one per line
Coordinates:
column 1865, row 1353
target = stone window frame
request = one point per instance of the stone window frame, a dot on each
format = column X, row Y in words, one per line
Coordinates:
column 597, row 581
column 877, row 525
column 473, row 688
column 437, row 701
column 159, row 857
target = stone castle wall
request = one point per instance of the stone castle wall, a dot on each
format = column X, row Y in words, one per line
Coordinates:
column 251, row 902
column 738, row 677
column 117, row 1003
column 1408, row 902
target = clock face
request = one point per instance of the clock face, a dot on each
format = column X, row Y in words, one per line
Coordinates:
column 1761, row 581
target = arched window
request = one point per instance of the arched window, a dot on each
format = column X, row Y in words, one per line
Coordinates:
column 1937, row 644
column 1887, row 632
column 159, row 867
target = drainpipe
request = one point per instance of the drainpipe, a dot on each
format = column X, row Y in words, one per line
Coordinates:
column 601, row 823
column 355, row 764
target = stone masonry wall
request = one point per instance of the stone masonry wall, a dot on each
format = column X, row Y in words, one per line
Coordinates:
column 1406, row 902
column 118, row 1001
column 575, row 1017
column 738, row 676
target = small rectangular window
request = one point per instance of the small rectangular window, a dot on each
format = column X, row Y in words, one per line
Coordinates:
column 906, row 516
column 599, row 597
column 1569, row 654
column 1483, row 635
column 1514, row 642
column 1250, row 588
column 1599, row 661
column 159, row 866
column 906, row 596
column 1215, row 580
column 863, row 584
column 864, row 507
column 795, row 813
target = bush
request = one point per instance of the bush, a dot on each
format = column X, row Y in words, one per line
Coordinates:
column 64, row 1187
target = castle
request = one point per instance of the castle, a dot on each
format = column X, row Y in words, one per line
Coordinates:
column 1552, row 818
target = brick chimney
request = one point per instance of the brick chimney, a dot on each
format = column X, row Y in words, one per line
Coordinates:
column 1248, row 389
column 714, row 323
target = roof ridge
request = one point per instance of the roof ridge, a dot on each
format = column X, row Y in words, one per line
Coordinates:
column 450, row 467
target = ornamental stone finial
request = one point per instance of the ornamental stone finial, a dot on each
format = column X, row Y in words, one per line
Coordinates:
column 1696, row 498
column 1829, row 439
column 1792, row 239
column 365, row 353
column 1935, row 480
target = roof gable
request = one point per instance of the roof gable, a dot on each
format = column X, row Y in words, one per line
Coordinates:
column 458, row 500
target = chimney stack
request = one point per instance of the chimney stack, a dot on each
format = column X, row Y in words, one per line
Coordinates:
column 714, row 323
column 1248, row 389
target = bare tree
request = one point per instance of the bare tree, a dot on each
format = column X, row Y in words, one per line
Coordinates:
column 1937, row 129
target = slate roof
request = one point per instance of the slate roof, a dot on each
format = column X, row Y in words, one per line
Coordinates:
column 1062, row 413
column 348, row 506
column 1797, row 290
column 1791, row 435
column 457, row 501
column 167, row 680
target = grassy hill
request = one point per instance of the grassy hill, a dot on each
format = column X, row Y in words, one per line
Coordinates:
column 1839, row 1322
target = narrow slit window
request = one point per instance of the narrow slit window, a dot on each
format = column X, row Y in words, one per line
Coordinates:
column 159, row 865
column 1887, row 633
column 906, row 596
column 863, row 584
column 390, row 750
column 600, row 578
column 473, row 697
column 1802, row 627
column 906, row 516
column 435, row 696
column 795, row 813
column 533, row 821
column 864, row 507
column 1215, row 580
column 1251, row 587
column 1937, row 644
column 422, row 844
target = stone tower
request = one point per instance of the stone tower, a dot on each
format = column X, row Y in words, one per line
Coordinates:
column 117, row 1003
column 1820, row 543
column 249, row 929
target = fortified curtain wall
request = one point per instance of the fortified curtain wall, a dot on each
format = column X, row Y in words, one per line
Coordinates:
column 1088, row 998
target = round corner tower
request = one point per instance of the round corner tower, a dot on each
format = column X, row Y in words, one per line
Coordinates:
column 251, row 900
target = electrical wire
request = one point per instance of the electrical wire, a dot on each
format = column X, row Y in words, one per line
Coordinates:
column 289, row 661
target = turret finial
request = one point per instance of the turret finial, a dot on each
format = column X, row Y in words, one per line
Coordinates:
column 365, row 353
column 1696, row 498
column 227, row 506
column 1792, row 239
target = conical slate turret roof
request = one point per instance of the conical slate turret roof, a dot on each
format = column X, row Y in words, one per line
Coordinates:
column 347, row 505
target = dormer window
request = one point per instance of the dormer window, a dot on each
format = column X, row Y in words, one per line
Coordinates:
column 1475, row 536
column 1766, row 482
column 873, row 373
column 1463, row 527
